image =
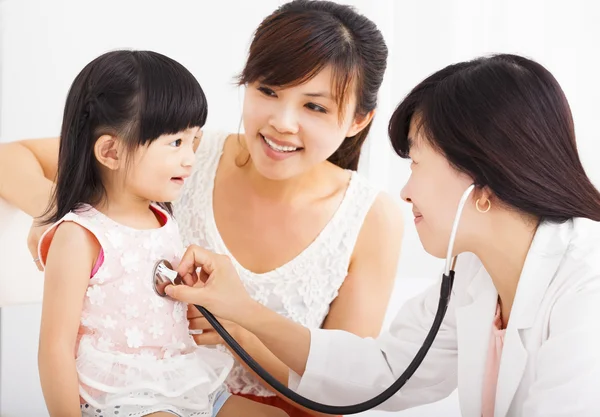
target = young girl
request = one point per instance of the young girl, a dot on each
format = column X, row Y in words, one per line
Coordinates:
column 130, row 125
column 309, row 236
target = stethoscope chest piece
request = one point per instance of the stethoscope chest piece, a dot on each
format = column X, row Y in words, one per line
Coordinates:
column 163, row 275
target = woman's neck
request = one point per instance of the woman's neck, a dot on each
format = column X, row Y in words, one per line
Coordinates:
column 503, row 253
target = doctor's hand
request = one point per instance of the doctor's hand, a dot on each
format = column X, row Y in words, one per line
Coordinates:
column 218, row 288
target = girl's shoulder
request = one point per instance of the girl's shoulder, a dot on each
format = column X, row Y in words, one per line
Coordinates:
column 73, row 233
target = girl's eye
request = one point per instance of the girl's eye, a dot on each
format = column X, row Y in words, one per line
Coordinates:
column 267, row 91
column 316, row 107
column 176, row 143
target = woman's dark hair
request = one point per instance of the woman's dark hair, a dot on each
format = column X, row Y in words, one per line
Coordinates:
column 301, row 38
column 504, row 121
column 135, row 95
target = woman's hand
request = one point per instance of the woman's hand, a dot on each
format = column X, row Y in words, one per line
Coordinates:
column 33, row 240
column 218, row 288
column 208, row 335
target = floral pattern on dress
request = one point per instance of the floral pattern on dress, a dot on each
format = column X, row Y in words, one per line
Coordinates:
column 132, row 343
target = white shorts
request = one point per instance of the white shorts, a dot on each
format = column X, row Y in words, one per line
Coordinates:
column 142, row 410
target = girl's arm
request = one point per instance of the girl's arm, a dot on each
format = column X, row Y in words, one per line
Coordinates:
column 69, row 263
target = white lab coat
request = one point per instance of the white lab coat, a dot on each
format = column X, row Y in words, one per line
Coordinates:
column 550, row 364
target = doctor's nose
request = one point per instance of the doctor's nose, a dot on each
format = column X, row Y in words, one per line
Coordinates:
column 404, row 194
column 285, row 121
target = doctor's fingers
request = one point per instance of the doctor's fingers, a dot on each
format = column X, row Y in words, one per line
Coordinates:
column 196, row 257
column 190, row 279
column 190, row 295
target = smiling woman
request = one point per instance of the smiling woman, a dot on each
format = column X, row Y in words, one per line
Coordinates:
column 311, row 238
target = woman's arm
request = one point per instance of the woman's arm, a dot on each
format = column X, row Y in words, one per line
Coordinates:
column 27, row 171
column 69, row 264
column 340, row 368
column 363, row 298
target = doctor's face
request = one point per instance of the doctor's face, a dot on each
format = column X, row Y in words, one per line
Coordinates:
column 434, row 189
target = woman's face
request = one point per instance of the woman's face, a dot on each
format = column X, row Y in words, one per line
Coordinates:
column 288, row 131
column 435, row 189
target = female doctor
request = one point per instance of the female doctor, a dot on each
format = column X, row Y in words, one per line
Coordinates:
column 521, row 336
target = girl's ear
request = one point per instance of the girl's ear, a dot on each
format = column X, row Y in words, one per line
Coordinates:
column 107, row 152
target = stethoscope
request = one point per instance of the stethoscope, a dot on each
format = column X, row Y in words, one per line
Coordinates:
column 164, row 275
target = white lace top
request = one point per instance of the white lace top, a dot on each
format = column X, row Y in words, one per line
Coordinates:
column 303, row 288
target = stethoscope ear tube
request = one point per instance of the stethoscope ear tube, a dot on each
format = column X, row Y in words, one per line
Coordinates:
column 445, row 291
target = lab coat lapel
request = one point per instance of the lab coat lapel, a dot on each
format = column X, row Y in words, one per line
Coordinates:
column 473, row 324
column 543, row 259
column 512, row 367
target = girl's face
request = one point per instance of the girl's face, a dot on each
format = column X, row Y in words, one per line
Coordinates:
column 290, row 130
column 158, row 171
column 434, row 189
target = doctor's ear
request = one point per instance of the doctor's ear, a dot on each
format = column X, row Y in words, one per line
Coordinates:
column 483, row 199
column 108, row 151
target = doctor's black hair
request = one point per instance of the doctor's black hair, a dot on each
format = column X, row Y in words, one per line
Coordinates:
column 504, row 121
column 136, row 96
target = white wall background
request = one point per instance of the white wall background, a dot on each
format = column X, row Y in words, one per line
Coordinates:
column 45, row 43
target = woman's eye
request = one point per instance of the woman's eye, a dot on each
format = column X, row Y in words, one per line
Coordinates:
column 316, row 107
column 267, row 91
column 176, row 143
